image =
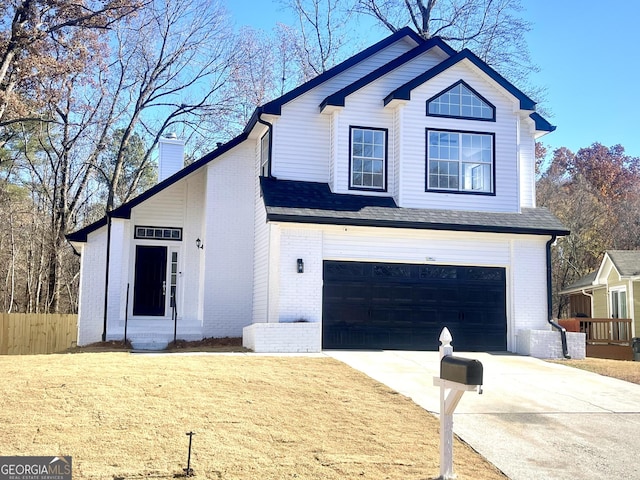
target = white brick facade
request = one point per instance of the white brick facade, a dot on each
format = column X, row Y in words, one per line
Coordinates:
column 245, row 280
column 282, row 337
column 548, row 344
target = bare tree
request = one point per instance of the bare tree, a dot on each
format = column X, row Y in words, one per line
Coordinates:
column 171, row 61
column 31, row 29
column 594, row 193
column 322, row 34
column 265, row 67
column 493, row 29
column 147, row 73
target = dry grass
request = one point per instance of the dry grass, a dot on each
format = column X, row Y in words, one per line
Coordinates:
column 624, row 370
column 123, row 416
column 226, row 344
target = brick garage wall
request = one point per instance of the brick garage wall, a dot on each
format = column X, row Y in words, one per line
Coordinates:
column 548, row 344
column 283, row 337
column 300, row 293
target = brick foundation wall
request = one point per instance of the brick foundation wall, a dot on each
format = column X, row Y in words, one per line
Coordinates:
column 283, row 337
column 547, row 344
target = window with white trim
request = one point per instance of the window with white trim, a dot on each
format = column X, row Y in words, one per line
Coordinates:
column 460, row 161
column 265, row 154
column 368, row 158
column 158, row 233
column 461, row 101
column 618, row 298
column 174, row 278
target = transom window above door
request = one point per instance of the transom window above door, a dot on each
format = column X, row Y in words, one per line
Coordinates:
column 461, row 101
column 460, row 161
column 368, row 167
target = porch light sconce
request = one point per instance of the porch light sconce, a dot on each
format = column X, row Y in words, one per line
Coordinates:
column 300, row 266
column 199, row 244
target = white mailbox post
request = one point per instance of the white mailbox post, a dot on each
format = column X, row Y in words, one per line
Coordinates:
column 457, row 375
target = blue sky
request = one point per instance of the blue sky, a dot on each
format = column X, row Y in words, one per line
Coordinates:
column 589, row 57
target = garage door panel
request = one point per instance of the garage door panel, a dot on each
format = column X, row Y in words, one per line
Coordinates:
column 405, row 306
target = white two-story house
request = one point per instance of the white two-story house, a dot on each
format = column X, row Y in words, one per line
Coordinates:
column 387, row 198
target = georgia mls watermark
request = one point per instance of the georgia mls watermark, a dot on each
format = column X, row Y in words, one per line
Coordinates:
column 35, row 468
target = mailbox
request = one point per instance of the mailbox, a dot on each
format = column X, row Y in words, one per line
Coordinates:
column 461, row 370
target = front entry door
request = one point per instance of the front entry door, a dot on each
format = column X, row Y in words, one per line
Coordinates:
column 150, row 287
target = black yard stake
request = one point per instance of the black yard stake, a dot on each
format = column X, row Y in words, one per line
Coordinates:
column 188, row 472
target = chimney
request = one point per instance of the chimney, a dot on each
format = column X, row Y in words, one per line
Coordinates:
column 170, row 156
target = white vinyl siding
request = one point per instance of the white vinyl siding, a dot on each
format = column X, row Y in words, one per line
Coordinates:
column 301, row 137
column 167, row 207
column 364, row 108
column 527, row 165
column 260, row 258
column 413, row 146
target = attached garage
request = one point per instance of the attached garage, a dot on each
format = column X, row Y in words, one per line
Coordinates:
column 370, row 305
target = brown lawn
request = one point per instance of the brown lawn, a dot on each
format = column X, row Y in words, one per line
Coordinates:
column 624, row 370
column 125, row 416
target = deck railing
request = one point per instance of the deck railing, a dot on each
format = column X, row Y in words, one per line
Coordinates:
column 605, row 337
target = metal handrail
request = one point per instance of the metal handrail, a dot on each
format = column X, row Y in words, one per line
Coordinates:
column 174, row 315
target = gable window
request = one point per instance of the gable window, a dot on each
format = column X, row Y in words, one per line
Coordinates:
column 461, row 101
column 368, row 158
column 460, row 161
column 265, row 155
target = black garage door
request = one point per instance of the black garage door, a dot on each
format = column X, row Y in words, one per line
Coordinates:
column 405, row 307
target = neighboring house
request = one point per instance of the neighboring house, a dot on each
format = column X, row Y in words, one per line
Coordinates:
column 386, row 198
column 612, row 291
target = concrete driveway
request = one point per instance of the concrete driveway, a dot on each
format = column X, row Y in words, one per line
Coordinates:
column 535, row 420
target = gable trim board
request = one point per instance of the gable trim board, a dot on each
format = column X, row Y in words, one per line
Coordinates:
column 338, row 98
column 256, row 229
column 274, row 107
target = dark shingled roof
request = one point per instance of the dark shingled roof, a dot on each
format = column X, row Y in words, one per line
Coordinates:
column 309, row 202
column 627, row 262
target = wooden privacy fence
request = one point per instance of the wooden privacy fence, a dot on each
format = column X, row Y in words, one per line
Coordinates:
column 32, row 333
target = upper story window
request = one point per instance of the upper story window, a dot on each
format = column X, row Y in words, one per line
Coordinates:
column 368, row 164
column 265, row 155
column 460, row 161
column 461, row 101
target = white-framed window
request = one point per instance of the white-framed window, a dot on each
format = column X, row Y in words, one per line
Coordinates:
column 460, row 161
column 368, row 164
column 158, row 233
column 265, row 154
column 173, row 279
column 461, row 101
column 618, row 302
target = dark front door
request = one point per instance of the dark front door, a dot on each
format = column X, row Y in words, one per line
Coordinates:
column 405, row 306
column 150, row 285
